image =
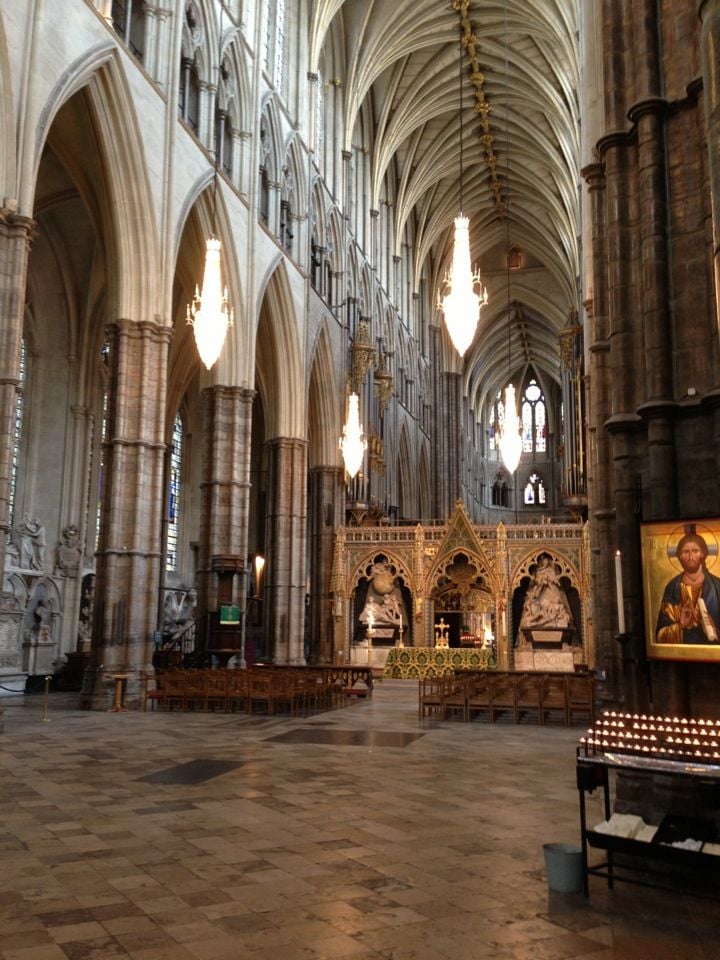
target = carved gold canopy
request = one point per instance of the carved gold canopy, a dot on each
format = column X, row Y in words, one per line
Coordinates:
column 461, row 565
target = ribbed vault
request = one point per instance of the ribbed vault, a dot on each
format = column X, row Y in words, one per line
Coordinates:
column 402, row 69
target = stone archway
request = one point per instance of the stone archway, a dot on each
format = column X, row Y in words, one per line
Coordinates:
column 463, row 599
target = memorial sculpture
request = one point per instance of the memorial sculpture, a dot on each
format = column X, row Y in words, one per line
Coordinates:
column 29, row 537
column 546, row 604
column 69, row 552
column 384, row 600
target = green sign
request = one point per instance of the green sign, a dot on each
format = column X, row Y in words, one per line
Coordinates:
column 230, row 615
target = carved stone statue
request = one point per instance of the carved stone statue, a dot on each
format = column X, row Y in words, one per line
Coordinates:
column 179, row 611
column 30, row 542
column 384, row 598
column 87, row 604
column 42, row 615
column 546, row 603
column 69, row 552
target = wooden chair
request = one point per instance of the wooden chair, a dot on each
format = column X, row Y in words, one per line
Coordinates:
column 479, row 696
column 283, row 691
column 156, row 694
column 431, row 691
column 216, row 687
column 454, row 700
column 528, row 691
column 503, row 697
column 175, row 689
column 554, row 698
column 581, row 697
column 194, row 689
column 237, row 690
column 259, row 681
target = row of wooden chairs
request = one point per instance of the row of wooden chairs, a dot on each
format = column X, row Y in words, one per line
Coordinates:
column 519, row 697
column 253, row 690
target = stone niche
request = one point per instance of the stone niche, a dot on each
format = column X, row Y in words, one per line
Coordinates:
column 12, row 676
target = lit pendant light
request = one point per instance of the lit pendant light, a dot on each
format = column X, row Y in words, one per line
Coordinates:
column 461, row 304
column 210, row 313
column 510, row 440
column 353, row 443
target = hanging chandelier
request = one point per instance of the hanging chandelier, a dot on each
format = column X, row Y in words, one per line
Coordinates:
column 510, row 439
column 353, row 443
column 461, row 303
column 210, row 313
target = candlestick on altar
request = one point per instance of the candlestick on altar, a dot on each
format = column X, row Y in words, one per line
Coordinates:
column 619, row 592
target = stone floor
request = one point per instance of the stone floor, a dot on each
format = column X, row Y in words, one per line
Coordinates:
column 360, row 833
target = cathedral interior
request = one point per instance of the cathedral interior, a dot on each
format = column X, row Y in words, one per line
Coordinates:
column 483, row 234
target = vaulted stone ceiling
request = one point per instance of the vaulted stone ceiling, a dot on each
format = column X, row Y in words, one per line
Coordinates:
column 400, row 65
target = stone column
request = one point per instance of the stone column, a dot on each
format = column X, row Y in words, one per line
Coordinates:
column 225, row 490
column 626, row 428
column 129, row 554
column 16, row 233
column 648, row 115
column 447, row 431
column 709, row 12
column 286, row 545
column 325, row 512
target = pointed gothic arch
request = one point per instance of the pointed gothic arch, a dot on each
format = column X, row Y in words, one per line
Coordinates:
column 279, row 360
column 324, row 409
column 123, row 202
column 405, row 477
column 203, row 215
column 424, row 485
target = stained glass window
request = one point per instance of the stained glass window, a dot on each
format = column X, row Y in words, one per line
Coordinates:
column 534, row 419
column 498, row 419
column 174, row 495
column 534, row 491
column 274, row 41
column 17, row 436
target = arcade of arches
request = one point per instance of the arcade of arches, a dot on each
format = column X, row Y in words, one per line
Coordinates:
column 142, row 495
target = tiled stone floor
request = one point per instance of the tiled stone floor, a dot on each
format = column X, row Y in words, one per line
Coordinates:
column 359, row 833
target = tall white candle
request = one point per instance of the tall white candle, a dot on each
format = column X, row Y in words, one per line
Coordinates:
column 619, row 591
column 400, row 624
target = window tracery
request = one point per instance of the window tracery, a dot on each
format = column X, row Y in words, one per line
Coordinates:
column 533, row 413
column 174, row 496
column 128, row 20
column 534, row 494
column 17, row 435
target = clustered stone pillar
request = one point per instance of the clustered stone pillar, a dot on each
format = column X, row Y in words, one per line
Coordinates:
column 448, row 443
column 709, row 12
column 601, row 507
column 129, row 554
column 325, row 510
column 225, row 490
column 15, row 236
column 285, row 584
column 654, row 397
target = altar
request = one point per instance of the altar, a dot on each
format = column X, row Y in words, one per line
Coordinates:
column 413, row 663
column 523, row 589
